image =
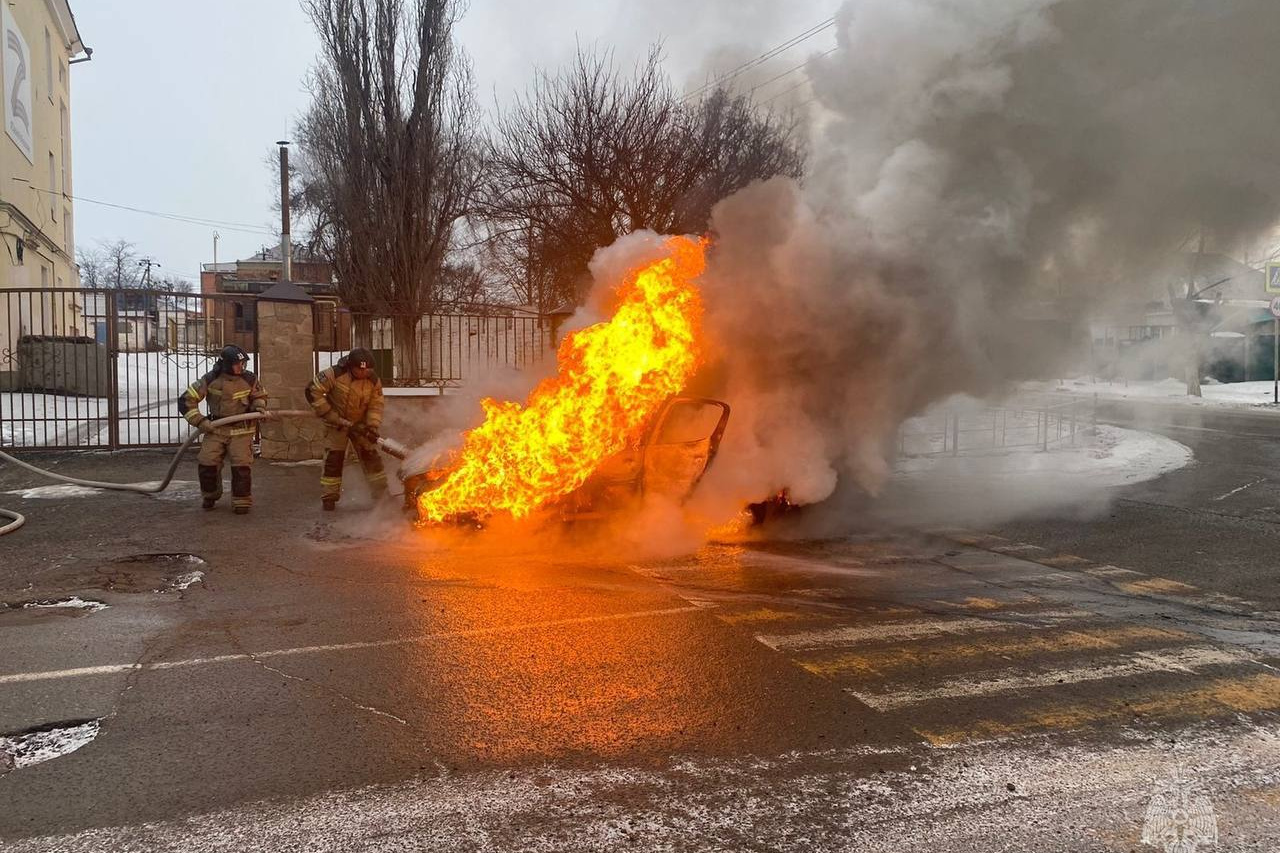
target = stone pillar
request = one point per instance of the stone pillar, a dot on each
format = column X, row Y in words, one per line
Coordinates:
column 286, row 363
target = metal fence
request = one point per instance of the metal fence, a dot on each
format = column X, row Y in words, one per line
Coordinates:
column 103, row 368
column 974, row 430
column 436, row 350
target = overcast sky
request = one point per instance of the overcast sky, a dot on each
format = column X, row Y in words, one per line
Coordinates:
column 183, row 100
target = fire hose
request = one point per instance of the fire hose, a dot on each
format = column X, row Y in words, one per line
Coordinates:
column 17, row 519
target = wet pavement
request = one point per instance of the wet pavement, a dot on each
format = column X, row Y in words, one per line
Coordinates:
column 333, row 683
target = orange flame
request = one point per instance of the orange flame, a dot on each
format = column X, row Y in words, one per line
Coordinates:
column 611, row 378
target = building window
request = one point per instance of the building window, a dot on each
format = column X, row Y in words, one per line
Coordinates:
column 48, row 64
column 53, row 176
column 243, row 317
column 65, row 137
column 66, row 229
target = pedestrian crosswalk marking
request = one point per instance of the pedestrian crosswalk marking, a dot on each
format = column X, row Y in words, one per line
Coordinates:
column 1247, row 694
column 898, row 659
column 1186, row 660
column 845, row 635
column 1064, row 560
column 1110, row 572
column 763, row 614
column 1157, row 585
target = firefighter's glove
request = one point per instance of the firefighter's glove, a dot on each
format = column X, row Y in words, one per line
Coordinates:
column 343, row 423
column 268, row 416
column 368, row 433
column 206, row 427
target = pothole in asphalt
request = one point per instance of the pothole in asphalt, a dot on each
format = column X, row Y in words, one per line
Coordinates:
column 44, row 609
column 150, row 573
column 43, row 743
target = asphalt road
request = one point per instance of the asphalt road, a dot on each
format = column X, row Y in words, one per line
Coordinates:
column 337, row 682
column 1215, row 523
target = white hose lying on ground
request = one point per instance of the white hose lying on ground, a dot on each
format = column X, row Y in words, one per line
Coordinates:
column 151, row 488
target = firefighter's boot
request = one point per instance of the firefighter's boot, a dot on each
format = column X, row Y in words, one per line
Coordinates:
column 331, row 479
column 242, row 488
column 210, row 485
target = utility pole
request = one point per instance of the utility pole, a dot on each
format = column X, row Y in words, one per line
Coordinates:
column 286, row 260
column 146, row 264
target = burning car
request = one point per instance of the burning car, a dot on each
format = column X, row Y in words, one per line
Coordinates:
column 669, row 459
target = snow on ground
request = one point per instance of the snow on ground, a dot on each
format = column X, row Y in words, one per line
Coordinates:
column 149, row 384
column 55, row 492
column 179, row 491
column 1027, row 795
column 75, row 602
column 1231, row 395
column 1116, row 457
column 977, row 488
column 26, row 749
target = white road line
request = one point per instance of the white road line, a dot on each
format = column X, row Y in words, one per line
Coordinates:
column 848, row 635
column 1050, row 578
column 114, row 669
column 1240, row 489
column 1188, row 659
column 1110, row 571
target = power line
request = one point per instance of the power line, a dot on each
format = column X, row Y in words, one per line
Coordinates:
column 177, row 217
column 789, row 72
column 770, row 100
column 764, row 57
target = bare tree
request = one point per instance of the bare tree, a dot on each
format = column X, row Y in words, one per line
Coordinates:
column 119, row 264
column 174, row 284
column 590, row 154
column 93, row 268
column 389, row 156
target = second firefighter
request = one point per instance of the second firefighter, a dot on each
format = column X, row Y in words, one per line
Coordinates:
column 348, row 397
column 231, row 390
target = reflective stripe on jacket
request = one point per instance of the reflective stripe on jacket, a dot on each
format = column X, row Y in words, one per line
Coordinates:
column 228, row 395
column 335, row 394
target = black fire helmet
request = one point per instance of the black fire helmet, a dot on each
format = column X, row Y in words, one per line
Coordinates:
column 231, row 354
column 360, row 357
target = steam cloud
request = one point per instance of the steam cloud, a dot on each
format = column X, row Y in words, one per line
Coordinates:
column 972, row 158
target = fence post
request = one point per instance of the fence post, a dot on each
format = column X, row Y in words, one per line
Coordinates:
column 955, row 434
column 1044, row 446
column 113, row 364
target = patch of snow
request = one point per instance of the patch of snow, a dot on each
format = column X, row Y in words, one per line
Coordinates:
column 1117, row 457
column 297, row 464
column 55, row 492
column 25, row 750
column 178, row 491
column 74, row 602
column 1023, row 795
column 187, row 579
column 1236, row 395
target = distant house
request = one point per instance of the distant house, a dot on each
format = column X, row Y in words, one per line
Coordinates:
column 147, row 321
column 1139, row 340
column 230, row 283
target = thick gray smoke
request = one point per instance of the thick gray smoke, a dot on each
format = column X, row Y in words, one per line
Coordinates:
column 971, row 159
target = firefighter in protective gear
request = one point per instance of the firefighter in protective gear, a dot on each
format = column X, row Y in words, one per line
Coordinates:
column 348, row 398
column 231, row 390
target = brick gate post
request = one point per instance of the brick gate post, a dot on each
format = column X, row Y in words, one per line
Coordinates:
column 286, row 363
